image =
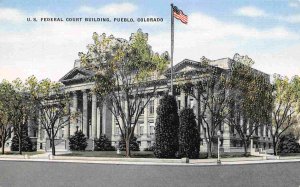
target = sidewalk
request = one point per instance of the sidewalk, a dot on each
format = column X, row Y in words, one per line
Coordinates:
column 47, row 157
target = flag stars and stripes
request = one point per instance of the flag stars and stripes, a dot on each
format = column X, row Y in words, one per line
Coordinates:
column 178, row 14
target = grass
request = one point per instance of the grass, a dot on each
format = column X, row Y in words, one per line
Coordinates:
column 224, row 155
column 289, row 154
column 23, row 153
column 139, row 154
column 113, row 154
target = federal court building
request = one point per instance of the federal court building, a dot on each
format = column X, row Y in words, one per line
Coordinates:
column 95, row 118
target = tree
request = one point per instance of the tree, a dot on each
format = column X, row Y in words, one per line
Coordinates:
column 189, row 139
column 251, row 101
column 133, row 144
column 124, row 70
column 78, row 141
column 166, row 128
column 103, row 144
column 6, row 94
column 21, row 110
column 288, row 144
column 26, row 145
column 51, row 102
column 211, row 94
column 286, row 96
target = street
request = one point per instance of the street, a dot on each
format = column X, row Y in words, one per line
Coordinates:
column 40, row 174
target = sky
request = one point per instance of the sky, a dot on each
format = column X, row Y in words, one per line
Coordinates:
column 268, row 31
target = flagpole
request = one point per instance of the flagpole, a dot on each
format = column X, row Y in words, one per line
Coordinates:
column 172, row 46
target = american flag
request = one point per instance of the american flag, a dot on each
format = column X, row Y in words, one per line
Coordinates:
column 178, row 14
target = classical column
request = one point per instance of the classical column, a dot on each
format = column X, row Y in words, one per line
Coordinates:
column 104, row 112
column 146, row 125
column 182, row 99
column 73, row 110
column 67, row 126
column 98, row 122
column 226, row 137
column 264, row 131
column 94, row 116
column 248, row 126
column 85, row 113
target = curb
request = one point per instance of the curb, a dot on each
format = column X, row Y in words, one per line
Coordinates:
column 113, row 161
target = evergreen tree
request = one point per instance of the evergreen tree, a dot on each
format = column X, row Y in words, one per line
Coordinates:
column 103, row 144
column 133, row 144
column 288, row 144
column 189, row 140
column 78, row 141
column 166, row 130
column 26, row 145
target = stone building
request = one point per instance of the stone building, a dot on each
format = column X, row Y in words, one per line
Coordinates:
column 95, row 119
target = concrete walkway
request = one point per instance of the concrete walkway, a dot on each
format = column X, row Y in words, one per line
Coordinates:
column 47, row 157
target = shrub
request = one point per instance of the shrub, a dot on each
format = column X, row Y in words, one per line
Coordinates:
column 288, row 144
column 166, row 130
column 133, row 144
column 26, row 146
column 103, row 144
column 189, row 140
column 78, row 141
column 151, row 148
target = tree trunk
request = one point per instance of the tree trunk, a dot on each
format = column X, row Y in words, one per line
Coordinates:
column 209, row 154
column 274, row 146
column 127, row 142
column 245, row 148
column 2, row 144
column 53, row 146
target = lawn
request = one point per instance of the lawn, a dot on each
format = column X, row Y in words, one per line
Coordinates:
column 23, row 153
column 134, row 154
column 289, row 154
column 137, row 154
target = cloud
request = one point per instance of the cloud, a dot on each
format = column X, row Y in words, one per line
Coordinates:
column 11, row 15
column 283, row 61
column 110, row 9
column 294, row 3
column 49, row 50
column 291, row 19
column 251, row 11
column 217, row 39
column 17, row 16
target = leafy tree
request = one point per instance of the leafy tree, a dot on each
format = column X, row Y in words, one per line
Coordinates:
column 133, row 145
column 189, row 139
column 103, row 144
column 21, row 109
column 7, row 93
column 78, row 141
column 26, row 146
column 286, row 96
column 51, row 102
column 211, row 94
column 166, row 130
column 123, row 70
column 288, row 144
column 251, row 101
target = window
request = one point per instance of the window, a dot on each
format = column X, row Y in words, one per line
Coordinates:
column 151, row 130
column 151, row 107
column 178, row 104
column 141, row 130
column 117, row 129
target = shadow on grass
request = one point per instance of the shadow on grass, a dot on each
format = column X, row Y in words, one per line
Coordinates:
column 113, row 154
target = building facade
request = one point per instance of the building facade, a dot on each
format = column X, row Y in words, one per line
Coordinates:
column 95, row 119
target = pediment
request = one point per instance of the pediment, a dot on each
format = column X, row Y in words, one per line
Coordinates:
column 185, row 68
column 76, row 74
